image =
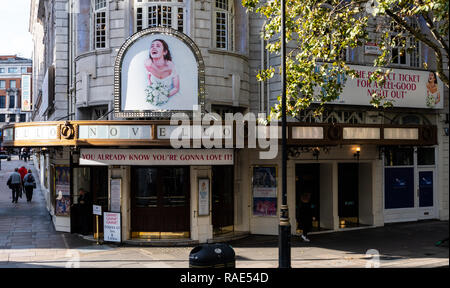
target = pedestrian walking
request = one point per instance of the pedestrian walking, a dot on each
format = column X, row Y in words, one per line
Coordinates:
column 15, row 184
column 29, row 183
column 26, row 155
column 304, row 215
column 23, row 171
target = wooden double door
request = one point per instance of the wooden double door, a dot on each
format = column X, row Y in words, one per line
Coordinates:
column 160, row 199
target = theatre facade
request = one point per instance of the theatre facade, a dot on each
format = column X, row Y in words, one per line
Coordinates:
column 355, row 174
column 103, row 123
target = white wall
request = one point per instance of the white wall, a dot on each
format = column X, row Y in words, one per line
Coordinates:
column 443, row 169
column 201, row 226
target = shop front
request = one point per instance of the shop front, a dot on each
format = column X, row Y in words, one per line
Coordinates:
column 169, row 190
column 410, row 192
column 341, row 168
column 360, row 178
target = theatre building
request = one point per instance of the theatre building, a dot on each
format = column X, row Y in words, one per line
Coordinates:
column 121, row 69
column 214, row 194
column 160, row 192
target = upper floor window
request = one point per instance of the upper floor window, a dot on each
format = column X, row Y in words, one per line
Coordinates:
column 24, row 70
column 224, row 24
column 2, row 84
column 2, row 117
column 12, row 70
column 2, row 102
column 100, row 19
column 23, row 118
column 410, row 119
column 162, row 13
column 406, row 51
column 222, row 110
column 12, row 101
column 99, row 112
column 2, row 70
column 12, row 84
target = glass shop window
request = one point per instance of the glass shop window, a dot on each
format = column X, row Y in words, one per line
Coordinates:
column 395, row 156
column 425, row 156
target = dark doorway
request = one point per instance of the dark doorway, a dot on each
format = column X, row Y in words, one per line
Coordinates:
column 96, row 185
column 160, row 202
column 99, row 190
column 222, row 199
column 348, row 200
column 307, row 180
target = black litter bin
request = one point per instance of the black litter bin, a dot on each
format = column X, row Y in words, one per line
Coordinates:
column 218, row 255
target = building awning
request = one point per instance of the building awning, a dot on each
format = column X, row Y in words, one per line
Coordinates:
column 158, row 132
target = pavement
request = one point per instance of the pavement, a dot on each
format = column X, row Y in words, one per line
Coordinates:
column 28, row 240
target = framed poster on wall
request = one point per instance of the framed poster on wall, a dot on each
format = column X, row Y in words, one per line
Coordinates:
column 62, row 190
column 114, row 195
column 203, row 196
column 264, row 188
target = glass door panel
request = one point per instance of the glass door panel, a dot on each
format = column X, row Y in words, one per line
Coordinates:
column 399, row 188
column 146, row 190
column 425, row 188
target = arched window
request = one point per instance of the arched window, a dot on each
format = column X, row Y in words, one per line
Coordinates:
column 224, row 24
column 164, row 13
column 412, row 119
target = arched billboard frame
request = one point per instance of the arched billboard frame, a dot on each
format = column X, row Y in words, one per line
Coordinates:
column 186, row 67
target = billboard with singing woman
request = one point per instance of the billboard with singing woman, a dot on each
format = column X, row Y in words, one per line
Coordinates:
column 159, row 72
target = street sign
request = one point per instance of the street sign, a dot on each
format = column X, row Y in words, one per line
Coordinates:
column 97, row 210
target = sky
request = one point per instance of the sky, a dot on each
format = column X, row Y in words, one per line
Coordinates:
column 14, row 36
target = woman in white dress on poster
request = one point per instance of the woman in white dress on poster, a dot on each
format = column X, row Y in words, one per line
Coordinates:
column 163, row 80
column 433, row 95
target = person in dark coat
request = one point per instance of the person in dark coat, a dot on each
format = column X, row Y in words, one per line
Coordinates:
column 85, row 206
column 29, row 183
column 304, row 215
column 15, row 184
column 25, row 155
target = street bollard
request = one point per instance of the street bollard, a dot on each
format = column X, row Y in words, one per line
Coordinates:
column 217, row 255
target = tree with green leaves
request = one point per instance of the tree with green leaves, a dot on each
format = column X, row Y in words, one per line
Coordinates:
column 318, row 32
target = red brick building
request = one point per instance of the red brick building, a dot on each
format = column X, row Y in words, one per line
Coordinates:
column 15, row 96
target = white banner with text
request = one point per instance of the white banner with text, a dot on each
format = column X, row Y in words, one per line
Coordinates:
column 156, row 157
column 403, row 87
